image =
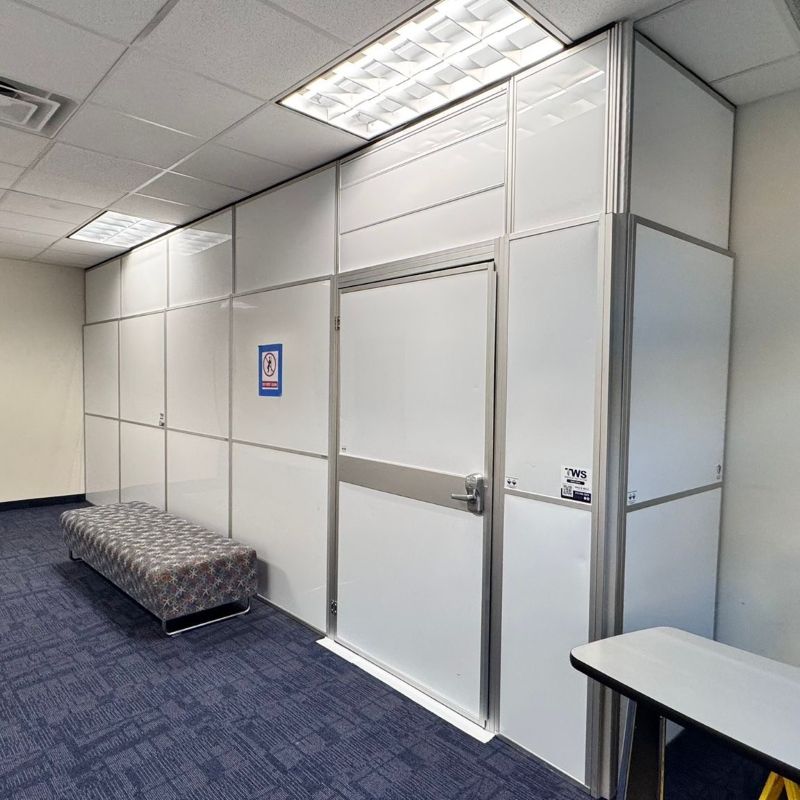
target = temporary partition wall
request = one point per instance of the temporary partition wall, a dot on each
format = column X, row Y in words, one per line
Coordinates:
column 533, row 284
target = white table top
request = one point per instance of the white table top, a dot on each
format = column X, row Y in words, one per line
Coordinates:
column 751, row 701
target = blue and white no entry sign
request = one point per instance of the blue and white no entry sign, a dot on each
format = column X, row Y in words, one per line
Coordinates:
column 270, row 370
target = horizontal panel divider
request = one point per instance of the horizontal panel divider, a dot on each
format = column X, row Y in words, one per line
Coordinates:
column 411, row 159
column 287, row 285
column 576, row 222
column 686, row 237
column 101, row 416
column 142, row 424
column 222, row 298
column 276, row 448
column 214, row 436
column 100, row 322
column 492, row 187
column 669, row 498
column 415, row 483
column 546, row 498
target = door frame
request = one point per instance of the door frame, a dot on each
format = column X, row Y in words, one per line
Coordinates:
column 490, row 256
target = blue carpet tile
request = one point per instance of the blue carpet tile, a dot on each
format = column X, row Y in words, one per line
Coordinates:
column 95, row 703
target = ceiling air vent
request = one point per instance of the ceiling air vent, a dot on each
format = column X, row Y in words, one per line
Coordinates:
column 31, row 109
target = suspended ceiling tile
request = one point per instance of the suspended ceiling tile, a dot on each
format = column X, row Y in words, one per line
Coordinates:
column 191, row 191
column 234, row 168
column 577, row 18
column 65, row 259
column 19, row 147
column 20, row 251
column 353, row 21
column 148, row 87
column 58, row 188
column 250, row 46
column 158, row 210
column 47, row 207
column 717, row 38
column 755, row 84
column 107, row 131
column 42, row 51
column 8, row 174
column 287, row 137
column 117, row 19
column 76, row 246
column 23, row 222
column 26, row 238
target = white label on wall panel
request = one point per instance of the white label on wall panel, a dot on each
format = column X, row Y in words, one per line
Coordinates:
column 576, row 484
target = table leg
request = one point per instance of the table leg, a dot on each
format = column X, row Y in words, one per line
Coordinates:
column 642, row 767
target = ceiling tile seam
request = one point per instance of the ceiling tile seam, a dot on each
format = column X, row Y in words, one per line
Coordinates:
column 665, row 10
column 783, row 11
column 95, row 104
column 305, row 22
column 71, row 23
column 32, row 216
column 757, row 67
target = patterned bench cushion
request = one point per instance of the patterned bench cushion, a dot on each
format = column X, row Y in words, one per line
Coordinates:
column 171, row 566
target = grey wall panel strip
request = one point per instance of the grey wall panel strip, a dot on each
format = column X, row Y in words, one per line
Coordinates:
column 657, row 226
column 416, row 484
column 544, row 498
column 308, row 453
column 671, row 498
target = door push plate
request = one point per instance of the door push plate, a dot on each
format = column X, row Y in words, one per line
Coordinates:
column 475, row 486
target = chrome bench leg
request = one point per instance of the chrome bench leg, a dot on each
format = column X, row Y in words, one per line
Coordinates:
column 246, row 603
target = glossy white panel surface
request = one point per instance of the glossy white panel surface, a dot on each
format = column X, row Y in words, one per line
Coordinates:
column 561, row 140
column 197, row 480
column 280, row 507
column 201, row 261
column 102, row 460
column 102, row 292
column 415, row 394
column 287, row 235
column 679, row 365
column 462, row 168
column 197, row 367
column 552, row 328
column 434, row 134
column 101, row 369
column 144, row 279
column 141, row 368
column 142, row 464
column 546, row 561
column 671, row 564
column 410, row 585
column 465, row 221
column 297, row 317
column 682, row 151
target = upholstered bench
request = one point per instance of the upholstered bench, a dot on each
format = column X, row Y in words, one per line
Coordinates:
column 172, row 567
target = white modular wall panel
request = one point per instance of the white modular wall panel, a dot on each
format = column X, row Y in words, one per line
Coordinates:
column 468, row 166
column 560, row 134
column 471, row 219
column 404, row 360
column 288, row 234
column 444, row 129
column 437, row 187
column 546, row 576
column 102, row 460
column 297, row 317
column 101, row 369
column 383, row 541
column 141, row 369
column 201, row 261
column 197, row 480
column 280, row 507
column 552, row 349
column 142, row 471
column 671, row 564
column 197, row 368
column 102, row 292
column 679, row 365
column 682, row 151
column 144, row 279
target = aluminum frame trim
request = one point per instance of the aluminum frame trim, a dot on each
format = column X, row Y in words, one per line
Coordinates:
column 619, row 118
column 415, row 483
column 671, row 498
column 458, row 257
column 575, row 222
column 684, row 70
column 234, row 224
column 277, row 449
column 676, row 234
column 546, row 498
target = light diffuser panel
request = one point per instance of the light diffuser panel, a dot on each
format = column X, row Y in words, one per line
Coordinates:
column 121, row 230
column 445, row 52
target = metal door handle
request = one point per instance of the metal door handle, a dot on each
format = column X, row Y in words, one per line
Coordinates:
column 475, row 485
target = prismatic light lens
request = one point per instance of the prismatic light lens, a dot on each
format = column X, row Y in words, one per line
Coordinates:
column 120, row 230
column 445, row 52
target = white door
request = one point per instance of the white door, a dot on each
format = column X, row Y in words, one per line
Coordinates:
column 416, row 383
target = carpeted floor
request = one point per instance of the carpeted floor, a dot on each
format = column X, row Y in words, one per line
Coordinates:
column 95, row 703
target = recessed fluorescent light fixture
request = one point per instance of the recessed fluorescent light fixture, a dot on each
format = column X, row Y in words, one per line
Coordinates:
column 120, row 230
column 449, row 50
column 191, row 241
